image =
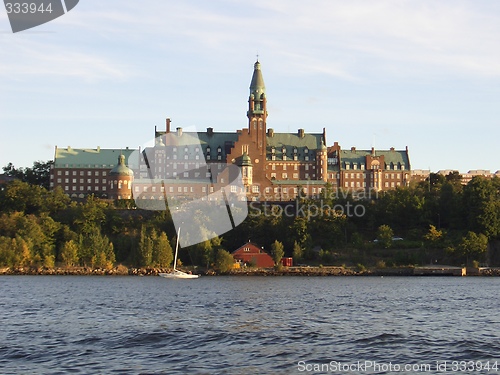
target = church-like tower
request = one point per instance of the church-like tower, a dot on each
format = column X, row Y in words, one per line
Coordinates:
column 257, row 108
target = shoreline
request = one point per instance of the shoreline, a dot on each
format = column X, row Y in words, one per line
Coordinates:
column 286, row 271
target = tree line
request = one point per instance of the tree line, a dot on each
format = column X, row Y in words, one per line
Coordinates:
column 437, row 219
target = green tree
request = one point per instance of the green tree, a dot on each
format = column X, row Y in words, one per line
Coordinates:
column 297, row 252
column 224, row 261
column 434, row 237
column 162, row 251
column 146, row 245
column 384, row 236
column 69, row 253
column 277, row 251
column 473, row 246
column 482, row 207
column 38, row 175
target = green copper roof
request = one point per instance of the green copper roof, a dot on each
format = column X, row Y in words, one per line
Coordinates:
column 244, row 160
column 121, row 169
column 391, row 157
column 88, row 157
column 290, row 142
column 207, row 141
column 257, row 85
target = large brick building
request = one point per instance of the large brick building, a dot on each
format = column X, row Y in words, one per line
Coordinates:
column 274, row 166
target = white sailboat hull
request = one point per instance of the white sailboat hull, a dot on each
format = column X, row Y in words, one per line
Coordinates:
column 176, row 274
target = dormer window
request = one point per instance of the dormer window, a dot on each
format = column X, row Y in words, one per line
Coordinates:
column 186, row 149
column 295, row 150
column 219, row 149
column 208, row 150
column 306, row 150
column 273, row 150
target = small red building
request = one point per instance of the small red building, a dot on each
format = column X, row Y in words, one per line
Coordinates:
column 250, row 253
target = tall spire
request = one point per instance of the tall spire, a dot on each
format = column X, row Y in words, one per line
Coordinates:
column 257, row 85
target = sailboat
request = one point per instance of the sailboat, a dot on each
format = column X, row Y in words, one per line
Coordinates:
column 176, row 274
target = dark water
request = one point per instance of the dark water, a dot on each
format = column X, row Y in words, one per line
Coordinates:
column 245, row 325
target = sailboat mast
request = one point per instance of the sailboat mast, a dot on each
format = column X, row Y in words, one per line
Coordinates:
column 177, row 248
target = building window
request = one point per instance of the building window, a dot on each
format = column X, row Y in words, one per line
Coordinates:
column 284, row 167
column 59, row 173
column 185, row 189
column 273, row 167
column 186, row 174
column 295, row 175
column 273, row 175
column 171, row 189
column 255, row 188
column 284, row 176
column 89, row 173
column 179, row 189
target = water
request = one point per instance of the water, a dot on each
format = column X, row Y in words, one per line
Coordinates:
column 245, row 325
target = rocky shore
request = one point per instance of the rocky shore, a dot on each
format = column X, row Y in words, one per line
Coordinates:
column 285, row 271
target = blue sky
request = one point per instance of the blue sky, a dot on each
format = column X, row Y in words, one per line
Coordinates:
column 423, row 74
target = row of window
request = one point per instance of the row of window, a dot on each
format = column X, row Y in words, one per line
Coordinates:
column 358, row 184
column 85, row 188
column 295, row 167
column 295, row 176
column 348, row 166
column 363, row 175
column 82, row 173
column 82, row 181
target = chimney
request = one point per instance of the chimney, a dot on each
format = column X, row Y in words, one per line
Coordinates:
column 210, row 131
column 168, row 125
column 98, row 148
column 270, row 132
column 353, row 149
column 392, row 149
column 179, row 132
column 301, row 133
column 373, row 151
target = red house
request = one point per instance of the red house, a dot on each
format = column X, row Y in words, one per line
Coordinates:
column 250, row 253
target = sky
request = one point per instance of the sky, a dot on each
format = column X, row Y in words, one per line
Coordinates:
column 423, row 74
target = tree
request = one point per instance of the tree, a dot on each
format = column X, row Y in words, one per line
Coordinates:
column 434, row 237
column 480, row 200
column 69, row 253
column 297, row 252
column 472, row 246
column 277, row 251
column 384, row 236
column 38, row 175
column 146, row 244
column 224, row 261
column 162, row 251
